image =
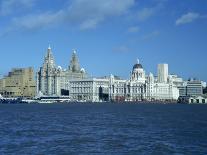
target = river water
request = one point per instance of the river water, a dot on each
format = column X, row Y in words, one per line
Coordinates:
column 104, row 128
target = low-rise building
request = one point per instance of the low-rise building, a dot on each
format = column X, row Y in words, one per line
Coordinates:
column 18, row 83
column 193, row 99
column 191, row 87
column 205, row 90
column 98, row 89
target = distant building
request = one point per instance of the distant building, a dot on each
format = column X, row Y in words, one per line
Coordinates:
column 191, row 88
column 75, row 83
column 19, row 83
column 162, row 70
column 52, row 80
column 178, row 81
column 193, row 99
column 194, row 88
column 99, row 89
column 205, row 90
column 139, row 87
column 136, row 86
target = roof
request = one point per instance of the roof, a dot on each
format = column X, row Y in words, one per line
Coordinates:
column 137, row 66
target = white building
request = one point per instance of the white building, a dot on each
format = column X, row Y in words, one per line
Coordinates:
column 97, row 89
column 193, row 99
column 139, row 87
column 147, row 88
column 162, row 71
column 73, row 82
column 52, row 80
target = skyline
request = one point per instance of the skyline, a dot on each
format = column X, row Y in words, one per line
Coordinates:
column 110, row 34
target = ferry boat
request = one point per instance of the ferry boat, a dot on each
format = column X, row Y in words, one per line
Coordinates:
column 48, row 99
column 11, row 100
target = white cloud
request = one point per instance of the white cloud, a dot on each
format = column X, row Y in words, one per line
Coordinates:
column 148, row 12
column 10, row 6
column 91, row 12
column 133, row 29
column 89, row 24
column 38, row 21
column 187, row 18
column 86, row 14
column 151, row 35
column 145, row 13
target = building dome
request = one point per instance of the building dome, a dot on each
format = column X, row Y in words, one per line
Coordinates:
column 59, row 68
column 137, row 66
column 82, row 70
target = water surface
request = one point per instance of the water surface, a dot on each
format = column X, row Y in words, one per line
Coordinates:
column 103, row 128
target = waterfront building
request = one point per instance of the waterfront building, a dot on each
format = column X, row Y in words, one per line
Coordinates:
column 98, row 89
column 136, row 86
column 205, row 90
column 1, row 83
column 52, row 80
column 143, row 87
column 198, row 99
column 162, row 71
column 18, row 83
column 74, row 82
column 193, row 99
column 191, row 87
column 165, row 91
column 175, row 79
column 139, row 87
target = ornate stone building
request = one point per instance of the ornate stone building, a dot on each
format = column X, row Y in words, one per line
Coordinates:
column 74, row 82
column 139, row 87
column 52, row 80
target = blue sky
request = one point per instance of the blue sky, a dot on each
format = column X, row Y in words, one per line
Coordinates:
column 109, row 35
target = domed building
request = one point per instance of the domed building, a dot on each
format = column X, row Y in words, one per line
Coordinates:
column 143, row 87
column 138, row 73
column 136, row 87
column 75, row 83
column 139, row 87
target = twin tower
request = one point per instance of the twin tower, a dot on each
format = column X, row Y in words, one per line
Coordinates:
column 53, row 80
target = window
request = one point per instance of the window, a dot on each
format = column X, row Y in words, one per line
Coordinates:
column 203, row 100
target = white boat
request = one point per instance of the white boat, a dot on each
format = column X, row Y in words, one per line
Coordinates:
column 1, row 97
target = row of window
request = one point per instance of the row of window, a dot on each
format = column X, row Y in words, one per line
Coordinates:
column 81, row 89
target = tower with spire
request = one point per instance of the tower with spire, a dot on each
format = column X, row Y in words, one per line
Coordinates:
column 46, row 74
column 49, row 61
column 74, row 63
column 53, row 80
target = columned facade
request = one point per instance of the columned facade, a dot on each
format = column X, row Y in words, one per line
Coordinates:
column 139, row 87
column 73, row 82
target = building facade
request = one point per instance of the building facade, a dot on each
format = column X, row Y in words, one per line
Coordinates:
column 193, row 99
column 19, row 83
column 74, row 82
column 205, row 90
column 191, row 87
column 162, row 71
column 52, row 80
column 139, row 87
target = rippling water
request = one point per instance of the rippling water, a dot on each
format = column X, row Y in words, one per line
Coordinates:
column 103, row 129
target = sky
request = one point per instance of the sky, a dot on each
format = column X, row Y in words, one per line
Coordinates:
column 108, row 35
